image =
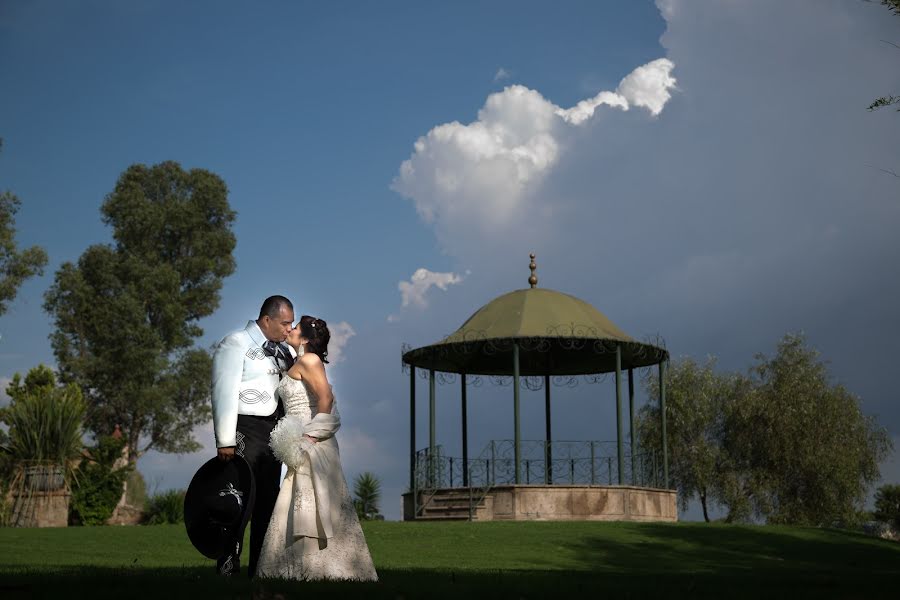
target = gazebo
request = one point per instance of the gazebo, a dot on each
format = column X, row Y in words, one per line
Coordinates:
column 537, row 337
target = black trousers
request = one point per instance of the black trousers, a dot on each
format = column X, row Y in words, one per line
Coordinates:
column 253, row 445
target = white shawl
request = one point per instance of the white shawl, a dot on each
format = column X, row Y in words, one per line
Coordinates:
column 321, row 461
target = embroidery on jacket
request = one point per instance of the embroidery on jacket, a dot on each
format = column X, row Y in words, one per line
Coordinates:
column 253, row 396
column 255, row 354
column 241, row 444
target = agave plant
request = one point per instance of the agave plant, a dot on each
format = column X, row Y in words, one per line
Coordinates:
column 45, row 422
column 367, row 489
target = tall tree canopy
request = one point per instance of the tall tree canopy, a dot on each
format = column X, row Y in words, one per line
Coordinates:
column 126, row 314
column 891, row 100
column 783, row 443
column 15, row 265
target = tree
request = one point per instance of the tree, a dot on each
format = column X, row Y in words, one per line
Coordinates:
column 696, row 397
column 126, row 314
column 783, row 443
column 814, row 453
column 367, row 489
column 890, row 100
column 15, row 266
column 887, row 505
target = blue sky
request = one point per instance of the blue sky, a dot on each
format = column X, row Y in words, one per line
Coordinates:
column 738, row 199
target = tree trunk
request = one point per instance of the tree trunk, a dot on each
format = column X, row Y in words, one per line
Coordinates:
column 703, row 504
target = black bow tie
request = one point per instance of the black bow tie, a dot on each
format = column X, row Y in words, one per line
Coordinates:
column 277, row 352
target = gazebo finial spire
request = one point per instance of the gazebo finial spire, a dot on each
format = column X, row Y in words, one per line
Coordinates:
column 533, row 279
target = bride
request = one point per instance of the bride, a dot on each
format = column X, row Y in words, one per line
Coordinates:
column 314, row 532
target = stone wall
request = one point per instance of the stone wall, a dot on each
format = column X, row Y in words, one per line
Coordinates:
column 583, row 503
column 562, row 503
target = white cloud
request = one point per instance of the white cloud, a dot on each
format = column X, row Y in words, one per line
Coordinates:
column 413, row 291
column 476, row 176
column 340, row 335
column 666, row 8
column 647, row 86
column 502, row 74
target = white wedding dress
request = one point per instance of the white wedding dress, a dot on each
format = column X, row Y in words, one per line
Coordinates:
column 341, row 555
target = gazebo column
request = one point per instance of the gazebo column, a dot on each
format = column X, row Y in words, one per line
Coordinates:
column 620, row 452
column 465, row 432
column 662, row 416
column 631, row 422
column 548, row 451
column 431, row 429
column 412, row 429
column 516, row 432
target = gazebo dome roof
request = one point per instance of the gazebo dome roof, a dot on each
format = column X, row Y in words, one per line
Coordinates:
column 537, row 312
column 556, row 333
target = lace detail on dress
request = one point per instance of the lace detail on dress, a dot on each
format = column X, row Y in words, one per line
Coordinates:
column 345, row 555
column 296, row 399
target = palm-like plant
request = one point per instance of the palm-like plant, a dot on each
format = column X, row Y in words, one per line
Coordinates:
column 367, row 489
column 45, row 421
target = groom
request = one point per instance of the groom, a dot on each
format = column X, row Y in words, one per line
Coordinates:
column 247, row 365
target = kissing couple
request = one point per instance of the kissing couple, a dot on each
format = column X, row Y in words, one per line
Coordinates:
column 272, row 404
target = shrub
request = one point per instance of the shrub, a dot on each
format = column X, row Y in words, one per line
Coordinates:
column 98, row 484
column 887, row 505
column 166, row 507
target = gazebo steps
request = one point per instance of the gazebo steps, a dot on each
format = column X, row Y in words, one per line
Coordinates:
column 429, row 517
column 447, row 505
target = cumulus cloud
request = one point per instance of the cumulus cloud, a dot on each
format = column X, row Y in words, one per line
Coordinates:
column 413, row 292
column 502, row 74
column 477, row 174
column 666, row 8
column 340, row 335
column 647, row 87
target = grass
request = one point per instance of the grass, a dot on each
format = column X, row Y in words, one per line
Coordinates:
column 454, row 560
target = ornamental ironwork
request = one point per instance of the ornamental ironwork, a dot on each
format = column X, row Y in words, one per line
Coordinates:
column 541, row 462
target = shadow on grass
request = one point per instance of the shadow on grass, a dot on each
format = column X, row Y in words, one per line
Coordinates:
column 810, row 562
column 193, row 582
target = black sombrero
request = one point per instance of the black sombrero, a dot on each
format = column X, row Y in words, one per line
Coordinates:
column 218, row 504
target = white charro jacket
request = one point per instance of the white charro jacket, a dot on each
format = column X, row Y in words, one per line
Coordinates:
column 244, row 379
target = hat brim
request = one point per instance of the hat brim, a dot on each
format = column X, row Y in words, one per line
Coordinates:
column 203, row 518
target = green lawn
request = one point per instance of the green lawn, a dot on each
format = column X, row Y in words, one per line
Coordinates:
column 458, row 560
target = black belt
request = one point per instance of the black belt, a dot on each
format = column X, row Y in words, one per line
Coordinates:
column 268, row 418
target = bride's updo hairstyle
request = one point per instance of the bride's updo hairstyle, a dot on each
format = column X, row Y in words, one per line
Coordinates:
column 316, row 331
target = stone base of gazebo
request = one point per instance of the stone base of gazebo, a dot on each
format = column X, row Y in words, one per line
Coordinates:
column 547, row 503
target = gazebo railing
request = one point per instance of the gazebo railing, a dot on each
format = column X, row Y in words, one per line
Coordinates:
column 541, row 463
column 430, row 474
column 570, row 463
